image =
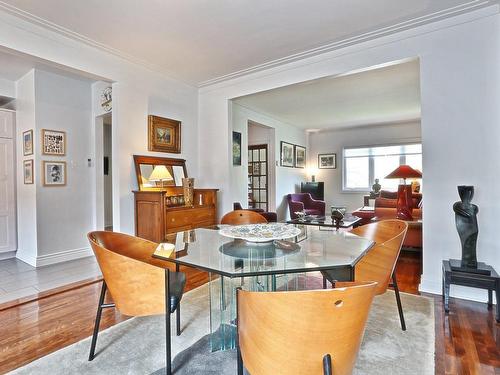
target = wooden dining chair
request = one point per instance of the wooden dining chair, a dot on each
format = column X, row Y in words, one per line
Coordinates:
column 137, row 288
column 302, row 332
column 380, row 262
column 241, row 217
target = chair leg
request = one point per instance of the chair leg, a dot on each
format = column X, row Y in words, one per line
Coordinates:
column 327, row 365
column 178, row 319
column 398, row 301
column 168, row 359
column 97, row 321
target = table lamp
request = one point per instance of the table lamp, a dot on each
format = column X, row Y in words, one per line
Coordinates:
column 160, row 173
column 404, row 191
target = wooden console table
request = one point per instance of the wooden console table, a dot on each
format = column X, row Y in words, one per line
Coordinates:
column 154, row 218
column 474, row 280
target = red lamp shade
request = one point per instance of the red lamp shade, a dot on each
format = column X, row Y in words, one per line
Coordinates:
column 404, row 195
column 404, row 171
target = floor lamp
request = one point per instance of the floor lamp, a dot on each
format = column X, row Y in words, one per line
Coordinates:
column 404, row 206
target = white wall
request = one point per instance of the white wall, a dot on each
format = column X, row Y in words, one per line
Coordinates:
column 460, row 92
column 287, row 179
column 7, row 88
column 326, row 142
column 108, row 183
column 64, row 214
column 27, row 242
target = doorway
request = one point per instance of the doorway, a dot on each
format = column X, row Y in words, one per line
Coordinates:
column 107, row 143
column 258, row 194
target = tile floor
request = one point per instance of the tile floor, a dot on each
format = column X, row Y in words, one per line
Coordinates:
column 18, row 279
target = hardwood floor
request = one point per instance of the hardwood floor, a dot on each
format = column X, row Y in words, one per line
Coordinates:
column 467, row 340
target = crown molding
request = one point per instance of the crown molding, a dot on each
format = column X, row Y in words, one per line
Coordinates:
column 402, row 26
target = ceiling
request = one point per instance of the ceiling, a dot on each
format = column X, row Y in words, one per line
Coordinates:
column 200, row 41
column 380, row 95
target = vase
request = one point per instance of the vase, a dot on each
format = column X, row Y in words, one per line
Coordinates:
column 188, row 188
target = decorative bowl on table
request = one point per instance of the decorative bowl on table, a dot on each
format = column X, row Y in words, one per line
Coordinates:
column 261, row 232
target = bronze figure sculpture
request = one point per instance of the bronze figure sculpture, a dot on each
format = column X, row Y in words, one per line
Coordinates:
column 466, row 223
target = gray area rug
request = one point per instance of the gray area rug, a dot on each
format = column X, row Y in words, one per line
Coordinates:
column 137, row 346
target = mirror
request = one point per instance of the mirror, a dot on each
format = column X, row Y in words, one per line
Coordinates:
column 155, row 173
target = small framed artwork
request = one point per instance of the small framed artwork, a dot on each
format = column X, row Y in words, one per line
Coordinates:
column 236, row 148
column 28, row 142
column 54, row 173
column 300, row 156
column 164, row 135
column 327, row 161
column 286, row 154
column 28, row 172
column 53, row 142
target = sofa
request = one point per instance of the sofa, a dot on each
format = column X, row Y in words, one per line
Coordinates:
column 303, row 202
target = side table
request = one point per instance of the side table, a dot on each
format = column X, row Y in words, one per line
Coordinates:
column 474, row 280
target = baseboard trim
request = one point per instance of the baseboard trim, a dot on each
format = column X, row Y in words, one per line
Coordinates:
column 456, row 291
column 31, row 260
column 63, row 256
column 8, row 255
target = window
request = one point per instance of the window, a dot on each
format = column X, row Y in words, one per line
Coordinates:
column 362, row 165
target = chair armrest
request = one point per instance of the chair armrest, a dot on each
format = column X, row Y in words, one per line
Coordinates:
column 295, row 207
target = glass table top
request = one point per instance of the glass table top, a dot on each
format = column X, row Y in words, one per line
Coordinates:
column 207, row 250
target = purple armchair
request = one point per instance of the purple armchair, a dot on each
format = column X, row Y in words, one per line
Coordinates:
column 303, row 202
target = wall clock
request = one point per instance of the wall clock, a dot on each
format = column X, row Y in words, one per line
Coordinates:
column 106, row 100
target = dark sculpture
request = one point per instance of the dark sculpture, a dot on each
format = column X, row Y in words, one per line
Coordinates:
column 466, row 221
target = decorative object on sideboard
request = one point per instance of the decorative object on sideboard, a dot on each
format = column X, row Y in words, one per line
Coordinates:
column 188, row 189
column 164, row 135
column 160, row 176
column 28, row 142
column 327, row 161
column 53, row 142
column 28, row 172
column 286, row 154
column 467, row 227
column 106, row 99
column 54, row 173
column 300, row 156
column 404, row 204
column 236, row 148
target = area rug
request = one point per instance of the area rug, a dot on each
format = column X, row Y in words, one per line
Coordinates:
column 137, row 346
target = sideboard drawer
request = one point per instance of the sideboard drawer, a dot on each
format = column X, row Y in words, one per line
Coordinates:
column 189, row 218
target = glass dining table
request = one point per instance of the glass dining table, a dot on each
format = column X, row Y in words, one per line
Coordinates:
column 270, row 266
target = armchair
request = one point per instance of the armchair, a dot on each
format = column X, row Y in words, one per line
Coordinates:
column 271, row 217
column 304, row 202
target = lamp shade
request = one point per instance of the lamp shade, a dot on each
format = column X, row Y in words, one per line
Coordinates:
column 160, row 173
column 404, row 171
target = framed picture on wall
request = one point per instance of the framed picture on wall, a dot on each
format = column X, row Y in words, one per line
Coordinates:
column 300, row 156
column 54, row 173
column 286, row 154
column 28, row 142
column 164, row 135
column 327, row 161
column 28, row 172
column 53, row 142
column 236, row 148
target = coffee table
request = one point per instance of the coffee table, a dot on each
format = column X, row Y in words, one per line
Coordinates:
column 326, row 221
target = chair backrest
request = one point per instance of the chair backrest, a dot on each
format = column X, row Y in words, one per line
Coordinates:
column 291, row 332
column 137, row 288
column 299, row 197
column 378, row 264
column 240, row 217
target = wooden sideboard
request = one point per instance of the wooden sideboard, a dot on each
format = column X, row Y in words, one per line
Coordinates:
column 154, row 218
